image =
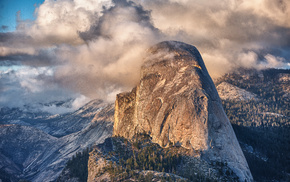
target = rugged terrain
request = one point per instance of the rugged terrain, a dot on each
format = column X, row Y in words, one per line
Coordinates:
column 120, row 159
column 56, row 125
column 37, row 148
column 262, row 125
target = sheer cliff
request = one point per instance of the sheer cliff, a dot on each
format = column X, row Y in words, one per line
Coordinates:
column 177, row 103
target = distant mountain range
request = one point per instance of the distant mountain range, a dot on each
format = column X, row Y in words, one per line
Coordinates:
column 36, row 146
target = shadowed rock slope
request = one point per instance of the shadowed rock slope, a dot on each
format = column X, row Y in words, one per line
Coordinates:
column 177, row 102
column 28, row 152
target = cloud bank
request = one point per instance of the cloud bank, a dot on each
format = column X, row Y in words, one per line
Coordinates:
column 94, row 49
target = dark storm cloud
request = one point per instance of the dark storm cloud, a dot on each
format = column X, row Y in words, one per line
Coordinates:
column 43, row 58
column 101, row 27
column 13, row 38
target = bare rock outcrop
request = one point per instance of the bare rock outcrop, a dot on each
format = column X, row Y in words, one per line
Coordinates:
column 228, row 91
column 177, row 103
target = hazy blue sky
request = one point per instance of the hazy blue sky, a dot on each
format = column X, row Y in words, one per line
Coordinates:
column 9, row 9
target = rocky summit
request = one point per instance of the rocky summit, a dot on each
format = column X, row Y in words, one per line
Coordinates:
column 176, row 103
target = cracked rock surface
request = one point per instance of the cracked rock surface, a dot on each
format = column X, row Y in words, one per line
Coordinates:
column 177, row 102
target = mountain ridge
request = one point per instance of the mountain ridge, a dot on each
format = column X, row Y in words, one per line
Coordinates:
column 93, row 121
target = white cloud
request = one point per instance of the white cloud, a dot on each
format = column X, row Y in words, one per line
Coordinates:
column 248, row 60
column 274, row 62
column 61, row 21
column 30, row 85
column 276, row 10
column 79, row 102
column 96, row 47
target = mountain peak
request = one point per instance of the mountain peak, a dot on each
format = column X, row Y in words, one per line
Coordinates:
column 176, row 102
column 168, row 52
column 178, row 59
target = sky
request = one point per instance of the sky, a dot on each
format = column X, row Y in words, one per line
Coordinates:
column 79, row 50
column 10, row 8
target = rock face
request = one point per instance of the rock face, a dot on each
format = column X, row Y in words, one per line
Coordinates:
column 228, row 91
column 177, row 102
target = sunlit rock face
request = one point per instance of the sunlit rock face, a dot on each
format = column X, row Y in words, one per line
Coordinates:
column 177, row 102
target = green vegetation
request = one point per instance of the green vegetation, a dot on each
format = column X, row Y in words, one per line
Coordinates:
column 76, row 167
column 137, row 155
column 262, row 124
column 142, row 160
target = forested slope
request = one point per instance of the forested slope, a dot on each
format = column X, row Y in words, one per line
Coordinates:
column 262, row 125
